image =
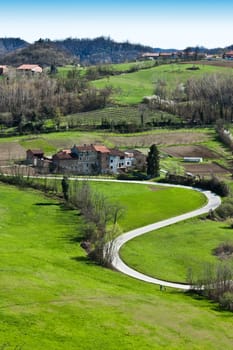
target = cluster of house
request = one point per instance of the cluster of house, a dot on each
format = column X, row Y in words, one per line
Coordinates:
column 87, row 160
column 24, row 68
column 185, row 54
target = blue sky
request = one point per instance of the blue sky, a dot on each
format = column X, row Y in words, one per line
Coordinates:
column 166, row 24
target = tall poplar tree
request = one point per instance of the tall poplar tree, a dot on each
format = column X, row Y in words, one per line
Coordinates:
column 153, row 161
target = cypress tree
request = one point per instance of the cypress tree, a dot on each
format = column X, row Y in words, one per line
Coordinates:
column 153, row 161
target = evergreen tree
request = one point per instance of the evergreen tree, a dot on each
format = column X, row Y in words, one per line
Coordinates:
column 65, row 187
column 153, row 161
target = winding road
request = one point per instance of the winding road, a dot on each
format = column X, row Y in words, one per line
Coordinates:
column 213, row 201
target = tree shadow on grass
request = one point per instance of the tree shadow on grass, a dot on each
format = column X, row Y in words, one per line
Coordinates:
column 75, row 238
column 47, row 204
column 84, row 259
column 208, row 303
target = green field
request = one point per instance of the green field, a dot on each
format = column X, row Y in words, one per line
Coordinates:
column 52, row 297
column 116, row 115
column 146, row 204
column 120, row 67
column 132, row 87
column 169, row 252
column 55, row 141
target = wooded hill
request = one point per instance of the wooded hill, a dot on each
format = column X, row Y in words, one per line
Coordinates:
column 8, row 45
column 62, row 52
column 44, row 53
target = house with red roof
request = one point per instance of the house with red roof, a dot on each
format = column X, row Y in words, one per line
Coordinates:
column 82, row 160
column 29, row 68
column 93, row 160
column 228, row 55
column 3, row 70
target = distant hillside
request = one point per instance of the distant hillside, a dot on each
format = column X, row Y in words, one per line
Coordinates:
column 85, row 51
column 42, row 52
column 102, row 50
column 8, row 45
column 15, row 51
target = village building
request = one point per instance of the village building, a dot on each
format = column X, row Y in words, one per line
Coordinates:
column 116, row 161
column 83, row 160
column 3, row 70
column 136, row 159
column 87, row 160
column 228, row 55
column 29, row 68
column 158, row 55
column 34, row 157
column 102, row 158
column 150, row 55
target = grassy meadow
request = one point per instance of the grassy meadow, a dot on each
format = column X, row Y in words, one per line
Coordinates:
column 146, row 204
column 52, row 142
column 168, row 253
column 52, row 297
column 130, row 88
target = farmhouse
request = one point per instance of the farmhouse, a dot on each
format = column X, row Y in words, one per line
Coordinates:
column 116, row 161
column 29, row 68
column 3, row 70
column 96, row 159
column 136, row 159
column 150, row 55
column 87, row 160
column 158, row 55
column 83, row 160
column 34, row 156
column 228, row 55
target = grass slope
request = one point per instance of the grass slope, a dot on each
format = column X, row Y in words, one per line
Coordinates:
column 55, row 141
column 147, row 204
column 132, row 87
column 51, row 297
column 168, row 253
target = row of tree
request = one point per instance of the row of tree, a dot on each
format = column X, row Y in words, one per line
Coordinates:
column 100, row 216
column 215, row 282
column 202, row 100
column 27, row 101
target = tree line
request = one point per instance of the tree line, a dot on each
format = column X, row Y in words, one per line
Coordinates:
column 27, row 101
column 200, row 101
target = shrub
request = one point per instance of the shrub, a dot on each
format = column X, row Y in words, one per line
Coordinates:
column 226, row 301
column 224, row 250
column 225, row 210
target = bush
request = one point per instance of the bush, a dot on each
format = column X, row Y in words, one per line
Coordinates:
column 225, row 210
column 213, row 184
column 226, row 301
column 224, row 250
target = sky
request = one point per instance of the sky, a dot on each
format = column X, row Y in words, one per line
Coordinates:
column 164, row 24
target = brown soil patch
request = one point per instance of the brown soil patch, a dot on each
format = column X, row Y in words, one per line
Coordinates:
column 205, row 169
column 11, row 151
column 190, row 151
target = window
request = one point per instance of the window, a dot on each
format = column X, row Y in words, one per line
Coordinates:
column 111, row 160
